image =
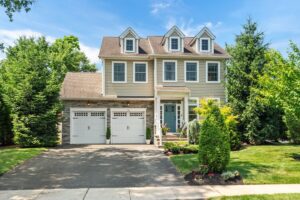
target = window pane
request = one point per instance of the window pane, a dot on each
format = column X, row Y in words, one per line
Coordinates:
column 119, row 72
column 191, row 71
column 204, row 45
column 140, row 72
column 192, row 114
column 212, row 72
column 129, row 45
column 169, row 68
column 174, row 43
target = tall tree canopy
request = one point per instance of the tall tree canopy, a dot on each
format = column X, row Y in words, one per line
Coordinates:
column 12, row 6
column 32, row 75
column 257, row 118
column 281, row 86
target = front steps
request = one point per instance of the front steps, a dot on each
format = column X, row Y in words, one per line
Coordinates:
column 170, row 137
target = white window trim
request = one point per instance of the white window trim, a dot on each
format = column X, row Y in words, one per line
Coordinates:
column 146, row 63
column 113, row 69
column 214, row 98
column 133, row 45
column 209, row 41
column 170, row 43
column 196, row 104
column 219, row 66
column 191, row 61
column 163, row 75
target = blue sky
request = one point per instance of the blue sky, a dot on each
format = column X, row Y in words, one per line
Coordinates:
column 90, row 20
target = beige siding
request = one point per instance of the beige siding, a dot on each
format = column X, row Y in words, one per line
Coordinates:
column 129, row 88
column 200, row 89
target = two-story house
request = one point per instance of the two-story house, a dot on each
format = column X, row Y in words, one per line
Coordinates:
column 145, row 82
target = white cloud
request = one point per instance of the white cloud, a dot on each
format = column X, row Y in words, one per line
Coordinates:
column 188, row 27
column 8, row 37
column 161, row 5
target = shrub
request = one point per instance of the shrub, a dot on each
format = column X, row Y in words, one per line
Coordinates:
column 214, row 147
column 230, row 175
column 108, row 133
column 148, row 134
column 168, row 146
column 194, row 131
column 293, row 125
column 175, row 149
column 192, row 148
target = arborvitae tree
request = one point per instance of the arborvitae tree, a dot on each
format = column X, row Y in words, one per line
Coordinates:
column 214, row 146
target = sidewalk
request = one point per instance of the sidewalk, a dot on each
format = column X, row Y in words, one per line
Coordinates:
column 145, row 193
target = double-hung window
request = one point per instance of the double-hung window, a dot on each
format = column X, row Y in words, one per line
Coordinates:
column 169, row 71
column 212, row 72
column 191, row 71
column 193, row 103
column 140, row 72
column 174, row 43
column 204, row 44
column 129, row 44
column 119, row 71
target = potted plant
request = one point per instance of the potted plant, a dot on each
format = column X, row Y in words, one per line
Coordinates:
column 108, row 136
column 164, row 129
column 148, row 135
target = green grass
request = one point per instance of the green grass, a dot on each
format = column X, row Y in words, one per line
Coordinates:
column 10, row 157
column 257, row 164
column 261, row 197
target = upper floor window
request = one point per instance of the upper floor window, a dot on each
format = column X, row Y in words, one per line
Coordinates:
column 169, row 71
column 119, row 71
column 129, row 44
column 212, row 72
column 174, row 43
column 140, row 72
column 204, row 44
column 191, row 71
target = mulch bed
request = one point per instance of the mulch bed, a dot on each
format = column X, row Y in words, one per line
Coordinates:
column 195, row 178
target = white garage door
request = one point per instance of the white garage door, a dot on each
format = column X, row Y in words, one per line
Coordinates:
column 88, row 127
column 128, row 126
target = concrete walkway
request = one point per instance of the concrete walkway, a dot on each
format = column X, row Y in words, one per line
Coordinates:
column 148, row 193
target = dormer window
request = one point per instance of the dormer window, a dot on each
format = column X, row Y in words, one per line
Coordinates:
column 174, row 41
column 204, row 44
column 129, row 44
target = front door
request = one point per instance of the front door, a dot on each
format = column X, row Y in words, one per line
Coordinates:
column 170, row 116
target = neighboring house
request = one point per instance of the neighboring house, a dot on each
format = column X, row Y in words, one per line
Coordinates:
column 145, row 82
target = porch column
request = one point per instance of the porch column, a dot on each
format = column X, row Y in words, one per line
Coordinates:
column 157, row 119
column 186, row 115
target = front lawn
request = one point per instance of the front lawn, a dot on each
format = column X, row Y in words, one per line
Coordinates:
column 257, row 164
column 10, row 157
column 261, row 197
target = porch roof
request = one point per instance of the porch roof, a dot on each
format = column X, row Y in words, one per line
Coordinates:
column 174, row 89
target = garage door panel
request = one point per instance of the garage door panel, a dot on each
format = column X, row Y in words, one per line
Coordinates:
column 128, row 127
column 88, row 127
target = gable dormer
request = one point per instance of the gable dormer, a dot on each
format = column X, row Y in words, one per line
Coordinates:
column 129, row 41
column 173, row 40
column 203, row 42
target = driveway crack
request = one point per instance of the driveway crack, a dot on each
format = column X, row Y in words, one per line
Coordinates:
column 87, row 190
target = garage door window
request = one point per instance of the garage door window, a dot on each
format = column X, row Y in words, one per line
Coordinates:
column 97, row 114
column 120, row 114
column 80, row 114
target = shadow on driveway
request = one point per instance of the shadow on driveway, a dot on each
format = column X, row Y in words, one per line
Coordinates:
column 94, row 166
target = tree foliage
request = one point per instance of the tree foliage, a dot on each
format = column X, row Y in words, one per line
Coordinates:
column 12, row 6
column 281, row 86
column 32, row 75
column 257, row 119
column 214, row 147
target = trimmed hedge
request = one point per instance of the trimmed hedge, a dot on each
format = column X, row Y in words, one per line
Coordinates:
column 182, row 146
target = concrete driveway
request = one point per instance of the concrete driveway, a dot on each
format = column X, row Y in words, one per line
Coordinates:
column 94, row 166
